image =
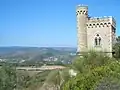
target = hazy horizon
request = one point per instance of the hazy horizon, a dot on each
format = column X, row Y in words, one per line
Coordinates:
column 47, row 23
column 40, row 46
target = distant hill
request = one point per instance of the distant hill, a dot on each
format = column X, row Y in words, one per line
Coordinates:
column 33, row 53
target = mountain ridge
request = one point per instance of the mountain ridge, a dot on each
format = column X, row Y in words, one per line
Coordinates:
column 34, row 53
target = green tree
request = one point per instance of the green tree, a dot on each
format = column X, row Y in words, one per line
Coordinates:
column 118, row 39
column 8, row 78
column 95, row 71
column 89, row 61
column 11, row 79
column 116, row 48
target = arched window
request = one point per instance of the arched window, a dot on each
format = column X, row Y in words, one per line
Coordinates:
column 97, row 40
column 97, row 35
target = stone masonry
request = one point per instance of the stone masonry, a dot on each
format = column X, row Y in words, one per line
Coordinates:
column 94, row 33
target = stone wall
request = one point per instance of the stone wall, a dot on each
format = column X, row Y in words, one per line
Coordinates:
column 89, row 27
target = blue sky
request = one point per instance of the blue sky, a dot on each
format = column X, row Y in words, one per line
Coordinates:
column 47, row 22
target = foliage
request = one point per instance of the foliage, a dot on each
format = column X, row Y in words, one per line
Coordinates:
column 95, row 71
column 89, row 61
column 56, row 79
column 37, row 80
column 11, row 79
column 22, row 80
column 116, row 50
column 8, row 78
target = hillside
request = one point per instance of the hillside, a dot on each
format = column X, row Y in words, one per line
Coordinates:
column 34, row 53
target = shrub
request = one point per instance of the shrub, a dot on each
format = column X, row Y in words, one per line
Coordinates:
column 96, row 70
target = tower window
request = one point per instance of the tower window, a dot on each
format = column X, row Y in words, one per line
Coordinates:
column 97, row 40
column 97, row 35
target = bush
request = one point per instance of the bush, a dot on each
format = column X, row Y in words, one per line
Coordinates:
column 8, row 78
column 89, row 61
column 96, row 70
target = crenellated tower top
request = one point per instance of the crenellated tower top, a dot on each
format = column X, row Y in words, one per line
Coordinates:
column 82, row 10
column 101, row 21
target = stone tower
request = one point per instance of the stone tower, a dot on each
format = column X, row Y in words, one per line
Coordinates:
column 82, row 17
column 98, row 33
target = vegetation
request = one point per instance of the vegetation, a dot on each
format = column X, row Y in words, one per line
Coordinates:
column 55, row 80
column 116, row 49
column 96, row 72
column 8, row 79
column 12, row 79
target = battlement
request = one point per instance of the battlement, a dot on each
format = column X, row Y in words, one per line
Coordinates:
column 105, row 21
column 96, row 19
column 82, row 10
column 82, row 5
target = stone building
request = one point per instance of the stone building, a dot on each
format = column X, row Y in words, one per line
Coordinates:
column 94, row 33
